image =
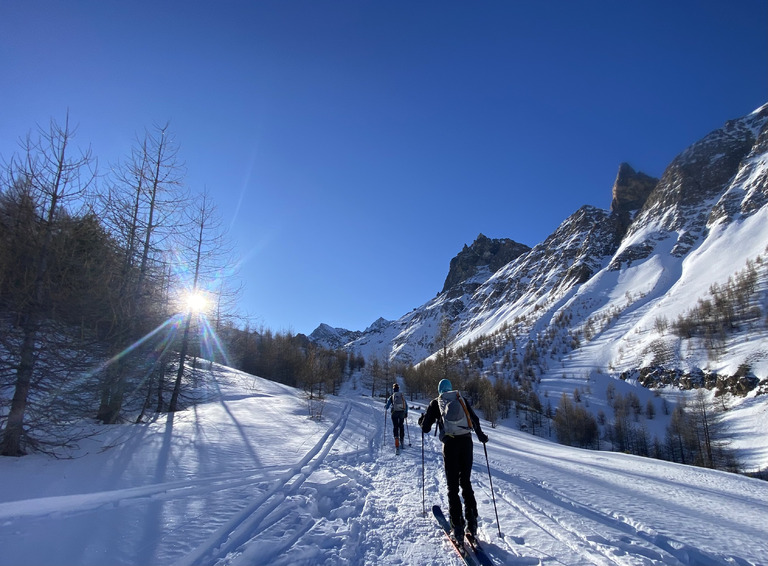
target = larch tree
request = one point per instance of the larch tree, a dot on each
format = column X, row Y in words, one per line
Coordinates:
column 205, row 257
column 54, row 182
column 142, row 209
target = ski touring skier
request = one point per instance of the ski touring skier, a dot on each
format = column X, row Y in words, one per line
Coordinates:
column 456, row 420
column 399, row 406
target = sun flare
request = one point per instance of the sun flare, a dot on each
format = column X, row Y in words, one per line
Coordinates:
column 195, row 302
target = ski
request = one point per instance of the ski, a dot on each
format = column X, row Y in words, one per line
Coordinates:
column 482, row 556
column 461, row 549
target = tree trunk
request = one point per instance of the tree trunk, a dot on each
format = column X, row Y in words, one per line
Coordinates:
column 14, row 428
column 180, row 374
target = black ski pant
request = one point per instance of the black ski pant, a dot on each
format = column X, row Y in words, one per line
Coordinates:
column 398, row 428
column 457, row 455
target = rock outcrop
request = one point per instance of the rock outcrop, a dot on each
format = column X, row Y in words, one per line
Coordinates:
column 631, row 189
column 484, row 252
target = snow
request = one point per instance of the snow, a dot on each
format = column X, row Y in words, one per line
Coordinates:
column 248, row 478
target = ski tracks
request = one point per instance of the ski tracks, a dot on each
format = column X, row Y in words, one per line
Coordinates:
column 580, row 534
column 278, row 518
column 349, row 501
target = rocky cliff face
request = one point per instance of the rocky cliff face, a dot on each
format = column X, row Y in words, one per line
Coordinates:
column 484, row 252
column 631, row 190
column 694, row 187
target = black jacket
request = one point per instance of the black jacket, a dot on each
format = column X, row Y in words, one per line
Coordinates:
column 433, row 415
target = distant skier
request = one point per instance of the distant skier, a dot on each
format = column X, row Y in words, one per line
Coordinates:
column 399, row 413
column 456, row 420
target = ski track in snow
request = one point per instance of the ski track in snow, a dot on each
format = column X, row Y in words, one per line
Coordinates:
column 349, row 499
column 584, row 535
column 262, row 514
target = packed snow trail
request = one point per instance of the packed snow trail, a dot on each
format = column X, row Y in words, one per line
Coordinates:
column 248, row 478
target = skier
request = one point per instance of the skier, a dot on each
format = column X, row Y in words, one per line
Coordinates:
column 456, row 420
column 399, row 413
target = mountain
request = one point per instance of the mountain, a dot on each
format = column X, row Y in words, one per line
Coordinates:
column 709, row 192
column 667, row 287
column 333, row 338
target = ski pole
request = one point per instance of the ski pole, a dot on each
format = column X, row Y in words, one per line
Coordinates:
column 423, row 481
column 493, row 497
column 408, row 430
column 384, row 440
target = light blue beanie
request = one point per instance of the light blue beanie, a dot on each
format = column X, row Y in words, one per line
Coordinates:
column 444, row 386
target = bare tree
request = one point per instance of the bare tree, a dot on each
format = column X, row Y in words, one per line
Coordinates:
column 445, row 354
column 703, row 418
column 375, row 375
column 205, row 255
column 142, row 209
column 54, row 182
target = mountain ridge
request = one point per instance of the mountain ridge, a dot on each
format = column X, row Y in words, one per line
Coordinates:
column 666, row 290
column 590, row 237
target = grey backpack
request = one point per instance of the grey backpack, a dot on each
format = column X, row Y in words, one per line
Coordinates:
column 454, row 413
column 398, row 401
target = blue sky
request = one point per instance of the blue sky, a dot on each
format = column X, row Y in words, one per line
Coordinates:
column 354, row 147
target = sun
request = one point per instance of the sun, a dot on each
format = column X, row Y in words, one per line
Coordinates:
column 195, row 302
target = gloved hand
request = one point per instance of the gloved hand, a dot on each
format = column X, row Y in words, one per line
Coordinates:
column 421, row 419
column 482, row 437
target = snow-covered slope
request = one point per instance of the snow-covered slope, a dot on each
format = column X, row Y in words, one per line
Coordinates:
column 632, row 293
column 249, row 479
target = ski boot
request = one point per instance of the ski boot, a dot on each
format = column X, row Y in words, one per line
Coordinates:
column 458, row 534
column 471, row 526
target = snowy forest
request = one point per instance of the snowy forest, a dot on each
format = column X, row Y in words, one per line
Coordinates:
column 107, row 281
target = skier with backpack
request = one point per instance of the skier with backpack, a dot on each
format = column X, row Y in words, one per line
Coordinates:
column 456, row 420
column 399, row 413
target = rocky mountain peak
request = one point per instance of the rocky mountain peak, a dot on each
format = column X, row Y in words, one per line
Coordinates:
column 333, row 338
column 378, row 324
column 631, row 189
column 484, row 252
